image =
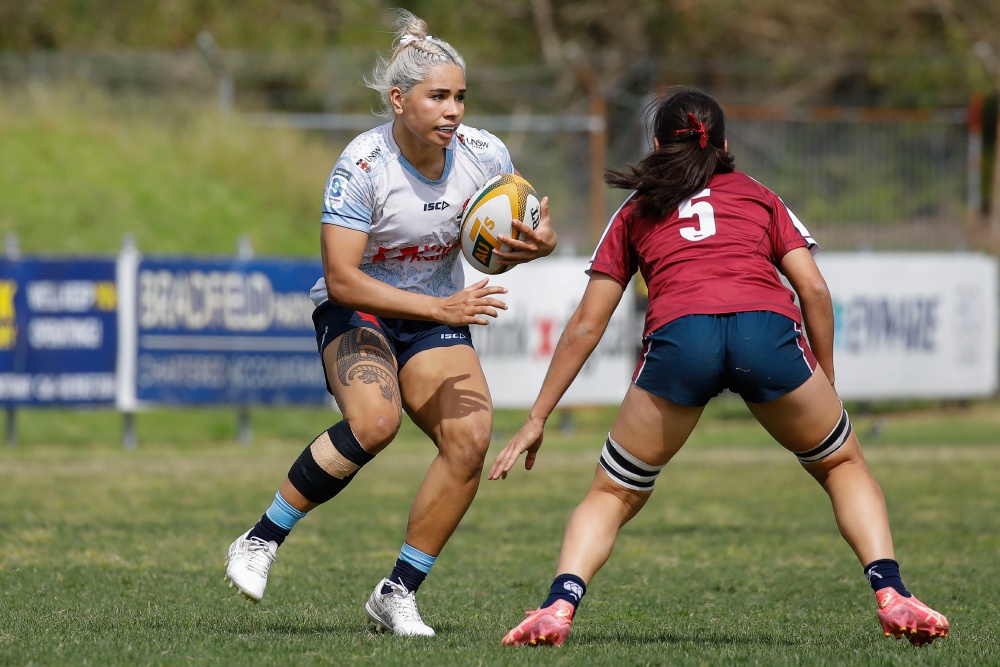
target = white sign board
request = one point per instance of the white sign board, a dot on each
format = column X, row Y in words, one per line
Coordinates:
column 913, row 325
column 516, row 347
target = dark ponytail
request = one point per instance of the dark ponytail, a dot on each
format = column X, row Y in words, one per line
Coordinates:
column 691, row 130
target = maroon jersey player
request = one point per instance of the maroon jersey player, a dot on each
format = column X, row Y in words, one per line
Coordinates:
column 710, row 243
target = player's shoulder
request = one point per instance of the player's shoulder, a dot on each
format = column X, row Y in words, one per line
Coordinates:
column 745, row 185
column 369, row 152
column 479, row 144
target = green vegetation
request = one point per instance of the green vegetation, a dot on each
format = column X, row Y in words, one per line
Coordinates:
column 726, row 422
column 114, row 556
column 80, row 170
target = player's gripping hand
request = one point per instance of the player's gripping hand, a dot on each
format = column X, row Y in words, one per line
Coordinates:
column 471, row 305
column 527, row 439
column 534, row 243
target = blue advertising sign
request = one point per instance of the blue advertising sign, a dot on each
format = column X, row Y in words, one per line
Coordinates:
column 58, row 331
column 227, row 331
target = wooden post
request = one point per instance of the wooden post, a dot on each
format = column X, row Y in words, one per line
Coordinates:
column 993, row 226
column 598, row 133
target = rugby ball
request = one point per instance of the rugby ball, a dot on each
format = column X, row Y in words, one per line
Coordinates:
column 489, row 212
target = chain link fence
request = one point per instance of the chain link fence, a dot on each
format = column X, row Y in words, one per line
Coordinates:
column 858, row 178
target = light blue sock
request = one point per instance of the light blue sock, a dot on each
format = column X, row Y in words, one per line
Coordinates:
column 416, row 558
column 411, row 568
column 283, row 514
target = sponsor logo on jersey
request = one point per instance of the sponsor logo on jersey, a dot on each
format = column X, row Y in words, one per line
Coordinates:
column 414, row 253
column 338, row 185
column 436, row 206
column 472, row 142
column 365, row 162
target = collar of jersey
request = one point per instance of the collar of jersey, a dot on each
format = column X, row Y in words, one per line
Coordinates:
column 448, row 152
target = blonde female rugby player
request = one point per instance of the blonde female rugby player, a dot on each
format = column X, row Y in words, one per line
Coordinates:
column 392, row 318
column 709, row 242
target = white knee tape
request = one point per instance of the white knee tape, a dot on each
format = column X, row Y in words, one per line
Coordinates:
column 830, row 444
column 627, row 470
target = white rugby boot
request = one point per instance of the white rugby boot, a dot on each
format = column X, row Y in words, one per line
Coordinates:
column 396, row 611
column 247, row 564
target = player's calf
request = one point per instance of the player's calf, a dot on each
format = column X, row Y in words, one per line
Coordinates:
column 322, row 471
column 328, row 464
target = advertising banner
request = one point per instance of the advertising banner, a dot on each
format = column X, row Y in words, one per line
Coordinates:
column 913, row 325
column 226, row 331
column 58, row 331
column 516, row 347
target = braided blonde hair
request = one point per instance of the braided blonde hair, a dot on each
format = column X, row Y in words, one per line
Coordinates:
column 414, row 55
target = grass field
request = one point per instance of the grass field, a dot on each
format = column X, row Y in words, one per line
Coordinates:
column 114, row 557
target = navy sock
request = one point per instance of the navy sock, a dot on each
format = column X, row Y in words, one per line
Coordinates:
column 885, row 572
column 567, row 587
column 269, row 531
column 406, row 574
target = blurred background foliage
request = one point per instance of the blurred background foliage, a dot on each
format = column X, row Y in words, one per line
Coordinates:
column 104, row 130
column 886, row 52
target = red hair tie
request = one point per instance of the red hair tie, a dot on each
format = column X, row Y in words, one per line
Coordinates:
column 696, row 127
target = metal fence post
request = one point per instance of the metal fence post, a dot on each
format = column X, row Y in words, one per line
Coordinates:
column 125, row 399
column 208, row 48
column 10, row 430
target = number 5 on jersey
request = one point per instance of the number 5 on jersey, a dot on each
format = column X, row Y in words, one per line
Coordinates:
column 701, row 210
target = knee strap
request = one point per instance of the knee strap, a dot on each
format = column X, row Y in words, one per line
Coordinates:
column 328, row 464
column 626, row 469
column 831, row 443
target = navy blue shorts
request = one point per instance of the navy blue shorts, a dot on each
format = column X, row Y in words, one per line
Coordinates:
column 405, row 337
column 758, row 354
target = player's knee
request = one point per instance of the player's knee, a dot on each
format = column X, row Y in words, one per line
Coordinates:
column 376, row 430
column 830, row 445
column 465, row 444
column 328, row 464
column 627, row 471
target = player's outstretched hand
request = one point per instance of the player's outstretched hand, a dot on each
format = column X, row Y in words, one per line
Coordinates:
column 534, row 243
column 527, row 439
column 471, row 305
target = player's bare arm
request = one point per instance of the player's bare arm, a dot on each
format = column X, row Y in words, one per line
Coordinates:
column 582, row 333
column 815, row 303
column 348, row 286
column 534, row 243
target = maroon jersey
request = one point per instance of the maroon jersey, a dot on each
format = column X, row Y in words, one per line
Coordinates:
column 717, row 253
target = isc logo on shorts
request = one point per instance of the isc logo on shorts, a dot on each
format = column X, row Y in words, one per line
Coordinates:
column 450, row 336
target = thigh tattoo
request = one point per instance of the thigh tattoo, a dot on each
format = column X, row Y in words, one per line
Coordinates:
column 365, row 355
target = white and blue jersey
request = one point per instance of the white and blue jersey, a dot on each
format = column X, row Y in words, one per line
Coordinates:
column 412, row 222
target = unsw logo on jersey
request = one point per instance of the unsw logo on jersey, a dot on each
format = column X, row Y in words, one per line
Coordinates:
column 365, row 162
column 472, row 142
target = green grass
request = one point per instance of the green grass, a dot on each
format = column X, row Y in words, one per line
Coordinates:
column 112, row 556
